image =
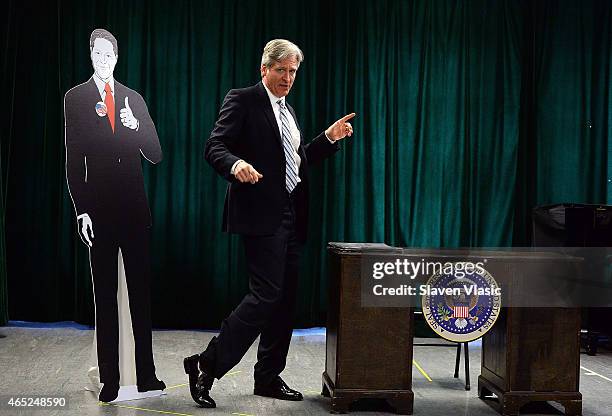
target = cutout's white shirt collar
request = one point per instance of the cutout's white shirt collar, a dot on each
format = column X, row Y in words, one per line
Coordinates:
column 101, row 84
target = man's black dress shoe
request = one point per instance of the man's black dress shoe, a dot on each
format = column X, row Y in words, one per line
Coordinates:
column 109, row 392
column 278, row 389
column 200, row 382
column 151, row 385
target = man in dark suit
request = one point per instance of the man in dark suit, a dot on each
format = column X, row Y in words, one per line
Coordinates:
column 105, row 180
column 257, row 146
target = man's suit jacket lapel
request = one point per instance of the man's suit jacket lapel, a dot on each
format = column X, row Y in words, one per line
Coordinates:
column 268, row 112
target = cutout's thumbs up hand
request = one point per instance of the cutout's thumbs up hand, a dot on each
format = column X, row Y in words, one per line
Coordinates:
column 127, row 117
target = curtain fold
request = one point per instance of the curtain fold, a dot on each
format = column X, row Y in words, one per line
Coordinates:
column 469, row 113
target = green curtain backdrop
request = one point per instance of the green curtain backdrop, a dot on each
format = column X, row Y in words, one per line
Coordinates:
column 469, row 113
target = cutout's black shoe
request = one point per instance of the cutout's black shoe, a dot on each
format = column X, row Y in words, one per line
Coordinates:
column 151, row 385
column 109, row 392
column 278, row 389
column 200, row 382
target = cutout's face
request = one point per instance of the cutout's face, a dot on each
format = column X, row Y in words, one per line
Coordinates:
column 103, row 58
column 280, row 76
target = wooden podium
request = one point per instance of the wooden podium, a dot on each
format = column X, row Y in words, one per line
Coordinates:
column 530, row 354
column 368, row 350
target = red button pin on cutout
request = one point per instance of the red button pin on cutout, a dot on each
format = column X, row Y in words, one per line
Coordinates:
column 101, row 109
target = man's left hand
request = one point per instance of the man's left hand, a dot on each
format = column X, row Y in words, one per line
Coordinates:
column 127, row 117
column 340, row 129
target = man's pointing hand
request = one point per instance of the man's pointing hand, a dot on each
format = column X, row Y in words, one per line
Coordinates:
column 341, row 128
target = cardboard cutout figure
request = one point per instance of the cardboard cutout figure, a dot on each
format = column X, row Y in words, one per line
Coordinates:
column 108, row 128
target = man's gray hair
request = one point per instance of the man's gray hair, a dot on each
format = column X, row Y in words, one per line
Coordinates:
column 279, row 49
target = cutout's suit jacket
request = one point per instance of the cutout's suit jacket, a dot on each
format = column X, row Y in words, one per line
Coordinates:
column 104, row 169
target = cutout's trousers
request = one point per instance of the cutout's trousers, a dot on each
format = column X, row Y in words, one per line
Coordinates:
column 135, row 248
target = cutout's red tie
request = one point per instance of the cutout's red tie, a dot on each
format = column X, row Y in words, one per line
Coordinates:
column 109, row 101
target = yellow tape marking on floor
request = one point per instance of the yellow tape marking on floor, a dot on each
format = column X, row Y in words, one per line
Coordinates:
column 231, row 373
column 421, row 370
column 593, row 373
column 242, row 414
column 313, row 392
column 143, row 409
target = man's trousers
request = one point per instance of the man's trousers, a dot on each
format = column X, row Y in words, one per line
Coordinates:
column 267, row 310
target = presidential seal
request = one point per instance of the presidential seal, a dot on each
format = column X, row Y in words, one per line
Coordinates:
column 461, row 308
